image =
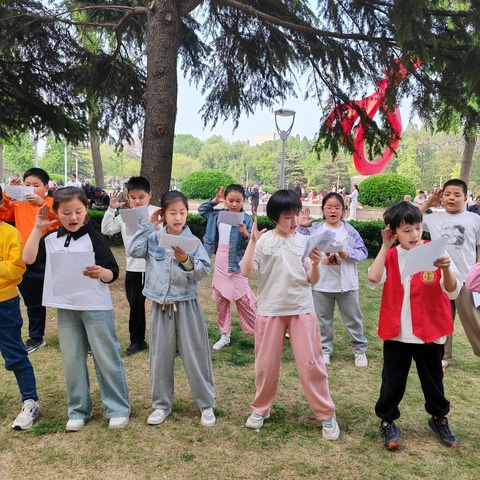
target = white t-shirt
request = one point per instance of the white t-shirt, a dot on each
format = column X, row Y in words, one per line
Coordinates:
column 463, row 232
column 283, row 287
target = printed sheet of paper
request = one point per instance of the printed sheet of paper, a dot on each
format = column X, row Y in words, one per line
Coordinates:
column 67, row 272
column 230, row 218
column 421, row 258
column 130, row 217
column 335, row 248
column 18, row 192
column 185, row 243
column 322, row 242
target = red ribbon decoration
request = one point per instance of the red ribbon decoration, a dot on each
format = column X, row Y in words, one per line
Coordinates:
column 347, row 115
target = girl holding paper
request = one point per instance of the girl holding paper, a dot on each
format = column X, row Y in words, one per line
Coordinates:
column 177, row 321
column 338, row 277
column 228, row 242
column 84, row 317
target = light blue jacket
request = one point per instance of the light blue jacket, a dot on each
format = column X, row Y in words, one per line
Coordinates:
column 237, row 244
column 166, row 280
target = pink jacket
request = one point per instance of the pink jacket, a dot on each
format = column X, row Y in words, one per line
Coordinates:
column 472, row 282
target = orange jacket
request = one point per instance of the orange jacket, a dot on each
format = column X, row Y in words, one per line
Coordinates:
column 23, row 215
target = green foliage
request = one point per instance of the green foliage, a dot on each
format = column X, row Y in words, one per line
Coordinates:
column 269, row 189
column 203, row 183
column 385, row 188
column 371, row 234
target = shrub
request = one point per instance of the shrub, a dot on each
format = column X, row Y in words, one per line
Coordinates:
column 385, row 188
column 203, row 183
column 269, row 189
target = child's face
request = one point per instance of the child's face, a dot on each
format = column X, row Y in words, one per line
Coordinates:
column 333, row 211
column 409, row 235
column 139, row 198
column 40, row 188
column 287, row 224
column 454, row 199
column 175, row 216
column 234, row 201
column 72, row 214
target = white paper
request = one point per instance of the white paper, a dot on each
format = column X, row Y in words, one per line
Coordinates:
column 335, row 248
column 130, row 217
column 322, row 242
column 420, row 259
column 19, row 192
column 230, row 218
column 67, row 272
column 187, row 244
column 476, row 299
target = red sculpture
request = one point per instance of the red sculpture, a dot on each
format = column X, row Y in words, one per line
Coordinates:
column 347, row 114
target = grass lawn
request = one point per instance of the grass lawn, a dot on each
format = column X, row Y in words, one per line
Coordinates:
column 289, row 446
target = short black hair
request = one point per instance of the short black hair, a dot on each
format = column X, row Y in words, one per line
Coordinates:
column 456, row 182
column 402, row 212
column 171, row 197
column 98, row 189
column 283, row 201
column 138, row 183
column 39, row 173
column 336, row 195
column 234, row 187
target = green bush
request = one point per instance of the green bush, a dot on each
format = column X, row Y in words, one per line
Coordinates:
column 203, row 183
column 384, row 189
column 269, row 189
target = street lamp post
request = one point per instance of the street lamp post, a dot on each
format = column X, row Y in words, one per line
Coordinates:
column 283, row 112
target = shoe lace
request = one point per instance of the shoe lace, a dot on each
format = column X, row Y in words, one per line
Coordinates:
column 329, row 423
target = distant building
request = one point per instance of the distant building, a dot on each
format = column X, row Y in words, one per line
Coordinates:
column 266, row 137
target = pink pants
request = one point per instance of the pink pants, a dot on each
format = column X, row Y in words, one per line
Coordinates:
column 307, row 349
column 246, row 312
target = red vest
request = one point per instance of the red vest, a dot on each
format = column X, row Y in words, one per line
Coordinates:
column 430, row 306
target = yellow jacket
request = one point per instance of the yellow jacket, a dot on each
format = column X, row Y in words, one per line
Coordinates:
column 11, row 263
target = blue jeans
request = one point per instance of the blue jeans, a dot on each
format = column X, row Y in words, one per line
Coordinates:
column 13, row 349
column 76, row 330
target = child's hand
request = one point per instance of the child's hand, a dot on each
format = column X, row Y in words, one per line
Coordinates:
column 41, row 220
column 305, row 218
column 343, row 254
column 243, row 230
column 255, row 235
column 388, row 237
column 114, row 200
column 443, row 263
column 219, row 197
column 180, row 254
column 155, row 217
column 34, row 199
column 435, row 198
column 315, row 256
column 15, row 181
column 96, row 272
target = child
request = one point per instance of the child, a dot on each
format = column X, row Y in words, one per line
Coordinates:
column 276, row 255
column 415, row 319
column 23, row 215
column 139, row 195
column 177, row 322
column 11, row 346
column 229, row 243
column 463, row 231
column 338, row 278
column 84, row 317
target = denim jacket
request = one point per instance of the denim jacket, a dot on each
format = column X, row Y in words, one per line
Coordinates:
column 166, row 280
column 237, row 244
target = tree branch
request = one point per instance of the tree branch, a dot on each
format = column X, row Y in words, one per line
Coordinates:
column 188, row 5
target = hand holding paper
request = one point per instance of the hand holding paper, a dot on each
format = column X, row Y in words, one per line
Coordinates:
column 322, row 242
column 422, row 258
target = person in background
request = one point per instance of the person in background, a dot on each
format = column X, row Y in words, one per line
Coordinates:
column 353, row 202
column 101, row 200
column 73, row 182
column 255, row 199
column 420, row 199
column 89, row 191
column 475, row 208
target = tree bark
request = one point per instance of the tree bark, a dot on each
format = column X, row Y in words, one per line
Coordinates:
column 97, row 161
column 467, row 158
column 163, row 22
column 2, row 168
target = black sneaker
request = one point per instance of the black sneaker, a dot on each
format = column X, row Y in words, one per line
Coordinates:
column 390, row 434
column 33, row 344
column 136, row 347
column 440, row 427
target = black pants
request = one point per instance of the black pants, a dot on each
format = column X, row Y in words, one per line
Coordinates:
column 31, row 289
column 134, row 282
column 397, row 359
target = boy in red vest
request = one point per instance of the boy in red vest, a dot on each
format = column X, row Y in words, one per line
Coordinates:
column 415, row 320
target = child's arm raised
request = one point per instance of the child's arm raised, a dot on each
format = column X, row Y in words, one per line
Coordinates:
column 432, row 201
column 30, row 250
column 375, row 273
column 247, row 265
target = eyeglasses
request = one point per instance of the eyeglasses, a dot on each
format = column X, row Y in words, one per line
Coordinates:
column 331, row 209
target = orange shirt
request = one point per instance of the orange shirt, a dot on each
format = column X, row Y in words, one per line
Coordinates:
column 23, row 215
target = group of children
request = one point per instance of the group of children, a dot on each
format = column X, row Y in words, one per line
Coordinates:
column 169, row 276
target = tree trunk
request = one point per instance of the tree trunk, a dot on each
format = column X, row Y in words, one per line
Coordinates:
column 2, row 169
column 97, row 161
column 467, row 158
column 161, row 95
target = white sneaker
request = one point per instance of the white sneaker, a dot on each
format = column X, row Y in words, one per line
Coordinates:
column 361, row 360
column 223, row 342
column 326, row 358
column 158, row 416
column 30, row 411
column 444, row 364
column 75, row 425
column 330, row 429
column 118, row 422
column 208, row 417
column 256, row 421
